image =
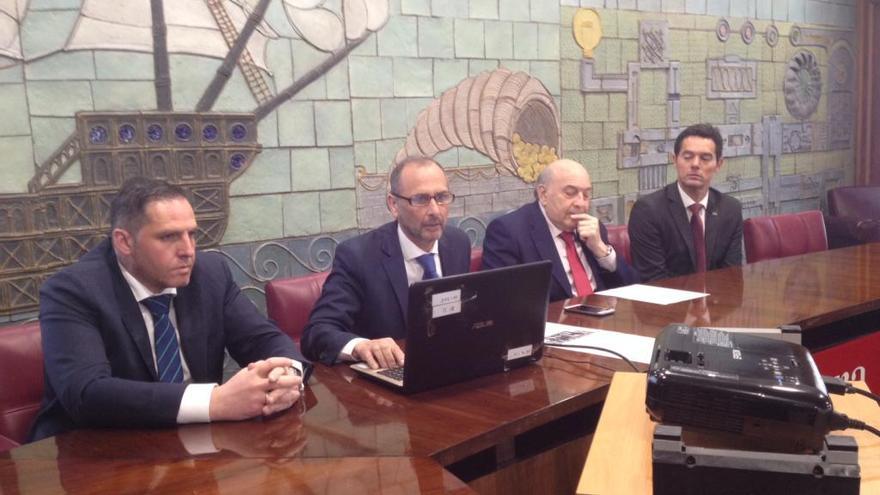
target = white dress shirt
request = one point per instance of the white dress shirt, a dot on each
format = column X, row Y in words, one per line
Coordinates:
column 414, row 273
column 608, row 262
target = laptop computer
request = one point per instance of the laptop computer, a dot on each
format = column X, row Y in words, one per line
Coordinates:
column 470, row 325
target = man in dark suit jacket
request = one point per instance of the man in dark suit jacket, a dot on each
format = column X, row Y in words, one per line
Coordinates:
column 363, row 306
column 661, row 225
column 103, row 367
column 535, row 232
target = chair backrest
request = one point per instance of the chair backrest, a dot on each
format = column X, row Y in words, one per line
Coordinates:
column 476, row 259
column 784, row 235
column 618, row 236
column 289, row 301
column 854, row 201
column 21, row 380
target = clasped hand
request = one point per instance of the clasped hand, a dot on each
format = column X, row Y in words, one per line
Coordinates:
column 262, row 388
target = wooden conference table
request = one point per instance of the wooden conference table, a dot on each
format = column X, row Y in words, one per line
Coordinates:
column 526, row 431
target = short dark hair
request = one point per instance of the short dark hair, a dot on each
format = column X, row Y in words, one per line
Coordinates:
column 707, row 131
column 394, row 176
column 128, row 208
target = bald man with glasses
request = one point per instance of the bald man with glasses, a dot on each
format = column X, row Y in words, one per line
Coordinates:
column 362, row 308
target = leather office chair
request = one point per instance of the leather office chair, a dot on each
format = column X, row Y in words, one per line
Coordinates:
column 855, row 211
column 289, row 301
column 784, row 235
column 618, row 236
column 476, row 259
column 21, row 381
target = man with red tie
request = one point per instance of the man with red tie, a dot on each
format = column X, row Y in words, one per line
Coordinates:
column 558, row 227
column 687, row 227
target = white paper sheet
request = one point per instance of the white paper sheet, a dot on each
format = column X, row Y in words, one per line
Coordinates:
column 636, row 348
column 651, row 294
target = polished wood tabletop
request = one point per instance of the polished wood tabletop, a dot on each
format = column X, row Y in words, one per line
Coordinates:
column 347, row 424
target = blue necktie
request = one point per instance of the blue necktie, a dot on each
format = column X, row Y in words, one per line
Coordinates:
column 427, row 262
column 167, row 350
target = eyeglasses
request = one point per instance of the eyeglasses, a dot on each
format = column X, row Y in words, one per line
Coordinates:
column 442, row 198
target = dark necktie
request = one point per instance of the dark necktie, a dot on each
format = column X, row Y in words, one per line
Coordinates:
column 578, row 273
column 427, row 262
column 167, row 349
column 699, row 238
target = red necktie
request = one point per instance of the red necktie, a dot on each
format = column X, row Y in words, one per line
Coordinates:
column 699, row 239
column 581, row 281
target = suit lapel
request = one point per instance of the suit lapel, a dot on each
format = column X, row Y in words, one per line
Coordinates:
column 192, row 334
column 130, row 314
column 392, row 262
column 546, row 246
column 446, row 258
column 711, row 230
column 680, row 219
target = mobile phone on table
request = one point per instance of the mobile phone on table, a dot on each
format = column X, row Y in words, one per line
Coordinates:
column 589, row 309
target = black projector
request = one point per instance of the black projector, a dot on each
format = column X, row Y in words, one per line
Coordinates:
column 752, row 391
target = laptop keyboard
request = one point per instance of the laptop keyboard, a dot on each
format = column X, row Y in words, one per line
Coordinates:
column 393, row 373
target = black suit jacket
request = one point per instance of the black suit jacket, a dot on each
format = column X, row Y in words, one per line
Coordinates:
column 661, row 243
column 98, row 362
column 366, row 293
column 522, row 236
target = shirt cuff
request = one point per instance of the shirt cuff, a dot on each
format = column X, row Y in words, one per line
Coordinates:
column 609, row 261
column 346, row 353
column 195, row 406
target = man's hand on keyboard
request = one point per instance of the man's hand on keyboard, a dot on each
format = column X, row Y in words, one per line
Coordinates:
column 379, row 353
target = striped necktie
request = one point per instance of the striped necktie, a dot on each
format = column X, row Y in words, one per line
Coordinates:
column 168, row 363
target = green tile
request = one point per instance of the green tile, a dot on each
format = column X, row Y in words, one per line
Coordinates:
column 59, row 99
column 447, row 159
column 270, row 173
column 124, row 65
column 570, row 74
column 267, row 130
column 548, row 73
column 572, row 136
column 450, row 8
column 476, row 66
column 302, row 214
column 596, row 107
column 545, row 11
column 628, row 24
column 415, row 7
column 413, row 77
column 190, row 75
column 62, row 66
column 124, row 95
column 617, row 109
column 690, row 112
column 310, row 169
column 13, row 101
column 236, row 95
column 12, row 74
column 414, row 106
column 305, row 58
column 72, row 175
column 655, row 116
column 499, row 39
column 333, row 123
column 54, row 4
column 337, row 81
column 468, row 157
column 525, row 41
column 338, row 211
column 386, row 151
column 18, row 163
column 45, row 32
column 516, row 65
column 296, row 124
column 513, row 10
column 254, row 218
column 548, row 42
column 399, row 37
column 609, row 51
column 366, row 119
column 447, row 74
column 593, row 137
column 365, row 156
column 342, row 167
column 484, row 9
column 371, row 76
column 611, row 132
column 572, row 108
column 49, row 133
column 469, row 38
column 368, row 48
column 393, row 118
column 436, row 37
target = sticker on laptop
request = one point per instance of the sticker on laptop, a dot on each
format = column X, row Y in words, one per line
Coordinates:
column 519, row 352
column 445, row 303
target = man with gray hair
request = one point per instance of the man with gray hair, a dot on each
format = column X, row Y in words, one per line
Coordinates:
column 363, row 306
column 558, row 227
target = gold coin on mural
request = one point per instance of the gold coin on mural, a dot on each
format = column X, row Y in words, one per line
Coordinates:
column 531, row 158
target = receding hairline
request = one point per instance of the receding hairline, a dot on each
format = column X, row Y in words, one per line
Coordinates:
column 546, row 176
column 397, row 171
